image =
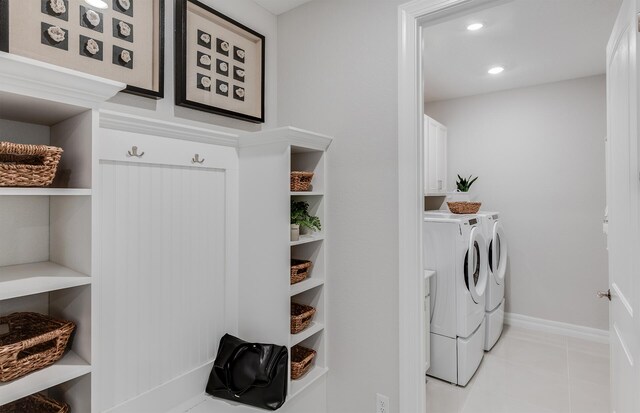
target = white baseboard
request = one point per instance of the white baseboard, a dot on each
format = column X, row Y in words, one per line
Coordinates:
column 556, row 327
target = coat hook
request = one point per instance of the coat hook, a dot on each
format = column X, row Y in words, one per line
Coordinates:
column 196, row 159
column 134, row 152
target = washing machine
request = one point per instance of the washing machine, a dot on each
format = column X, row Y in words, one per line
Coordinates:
column 497, row 260
column 454, row 247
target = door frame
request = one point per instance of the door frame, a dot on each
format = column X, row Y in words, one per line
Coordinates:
column 411, row 17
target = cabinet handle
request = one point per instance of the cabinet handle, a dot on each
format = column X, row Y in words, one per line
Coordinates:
column 134, row 152
column 196, row 159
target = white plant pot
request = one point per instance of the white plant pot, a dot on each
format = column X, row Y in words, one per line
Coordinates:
column 305, row 231
column 460, row 196
column 295, row 232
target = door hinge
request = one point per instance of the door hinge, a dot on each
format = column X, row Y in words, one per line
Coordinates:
column 638, row 23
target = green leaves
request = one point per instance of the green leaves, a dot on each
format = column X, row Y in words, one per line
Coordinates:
column 465, row 184
column 300, row 216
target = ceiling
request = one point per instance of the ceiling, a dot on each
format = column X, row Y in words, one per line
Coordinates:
column 280, row 6
column 537, row 41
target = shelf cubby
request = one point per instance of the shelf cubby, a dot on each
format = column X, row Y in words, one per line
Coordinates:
column 266, row 161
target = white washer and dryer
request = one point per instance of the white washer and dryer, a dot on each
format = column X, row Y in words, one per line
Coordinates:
column 497, row 261
column 454, row 247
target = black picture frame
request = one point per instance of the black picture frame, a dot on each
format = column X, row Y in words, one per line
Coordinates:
column 182, row 49
column 147, row 93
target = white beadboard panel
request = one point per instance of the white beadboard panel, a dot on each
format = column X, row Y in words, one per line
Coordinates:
column 163, row 252
column 26, row 219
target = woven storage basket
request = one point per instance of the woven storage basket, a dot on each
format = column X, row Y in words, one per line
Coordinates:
column 301, row 361
column 28, row 165
column 36, row 403
column 301, row 316
column 301, row 181
column 34, row 341
column 299, row 270
column 464, row 207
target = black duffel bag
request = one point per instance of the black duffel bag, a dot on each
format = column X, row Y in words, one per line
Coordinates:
column 250, row 373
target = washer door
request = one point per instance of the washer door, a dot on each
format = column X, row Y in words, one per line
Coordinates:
column 475, row 266
column 498, row 253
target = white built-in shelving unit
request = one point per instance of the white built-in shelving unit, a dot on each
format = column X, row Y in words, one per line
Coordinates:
column 266, row 161
column 47, row 254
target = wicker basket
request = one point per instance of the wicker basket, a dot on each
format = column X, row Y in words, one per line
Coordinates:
column 301, row 316
column 299, row 270
column 34, row 341
column 464, row 207
column 301, row 361
column 36, row 403
column 28, row 165
column 301, row 181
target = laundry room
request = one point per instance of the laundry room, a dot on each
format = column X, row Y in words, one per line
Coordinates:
column 515, row 168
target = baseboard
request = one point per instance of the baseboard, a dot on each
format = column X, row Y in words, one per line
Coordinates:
column 168, row 395
column 557, row 327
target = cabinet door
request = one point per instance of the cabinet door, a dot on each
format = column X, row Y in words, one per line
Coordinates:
column 435, row 156
column 430, row 156
column 441, row 159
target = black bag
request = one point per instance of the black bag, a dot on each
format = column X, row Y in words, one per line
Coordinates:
column 250, row 373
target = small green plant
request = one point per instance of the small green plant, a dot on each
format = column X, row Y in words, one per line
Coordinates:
column 465, row 184
column 300, row 216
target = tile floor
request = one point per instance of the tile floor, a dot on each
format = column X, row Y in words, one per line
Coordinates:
column 531, row 372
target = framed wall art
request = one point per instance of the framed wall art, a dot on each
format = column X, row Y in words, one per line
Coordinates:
column 219, row 63
column 120, row 40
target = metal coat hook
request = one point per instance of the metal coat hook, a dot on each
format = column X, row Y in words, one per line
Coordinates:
column 134, row 152
column 196, row 159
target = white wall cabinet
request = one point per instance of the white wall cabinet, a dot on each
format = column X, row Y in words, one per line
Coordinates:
column 435, row 157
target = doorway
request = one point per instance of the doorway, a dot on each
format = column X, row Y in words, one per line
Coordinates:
column 473, row 147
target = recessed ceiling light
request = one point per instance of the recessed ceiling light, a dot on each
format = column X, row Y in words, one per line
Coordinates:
column 475, row 26
column 100, row 4
column 496, row 70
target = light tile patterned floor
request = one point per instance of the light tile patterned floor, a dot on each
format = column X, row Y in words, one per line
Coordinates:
column 531, row 372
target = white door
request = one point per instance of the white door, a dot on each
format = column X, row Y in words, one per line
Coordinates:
column 624, row 278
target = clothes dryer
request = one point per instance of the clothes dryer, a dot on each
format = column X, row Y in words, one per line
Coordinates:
column 497, row 260
column 454, row 246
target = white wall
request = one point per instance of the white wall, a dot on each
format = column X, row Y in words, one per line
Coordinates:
column 246, row 12
column 337, row 66
column 539, row 152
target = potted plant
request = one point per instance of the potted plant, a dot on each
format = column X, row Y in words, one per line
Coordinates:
column 463, row 184
column 460, row 201
column 301, row 218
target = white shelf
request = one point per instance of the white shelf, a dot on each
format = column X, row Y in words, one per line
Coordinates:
column 41, row 277
column 70, row 367
column 314, row 328
column 305, row 239
column 306, row 285
column 310, row 193
column 44, row 192
column 297, row 386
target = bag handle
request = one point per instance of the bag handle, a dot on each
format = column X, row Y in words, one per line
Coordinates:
column 228, row 366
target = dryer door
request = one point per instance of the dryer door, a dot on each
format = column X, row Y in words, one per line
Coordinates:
column 498, row 253
column 475, row 266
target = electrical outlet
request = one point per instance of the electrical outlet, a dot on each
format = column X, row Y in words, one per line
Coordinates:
column 382, row 403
